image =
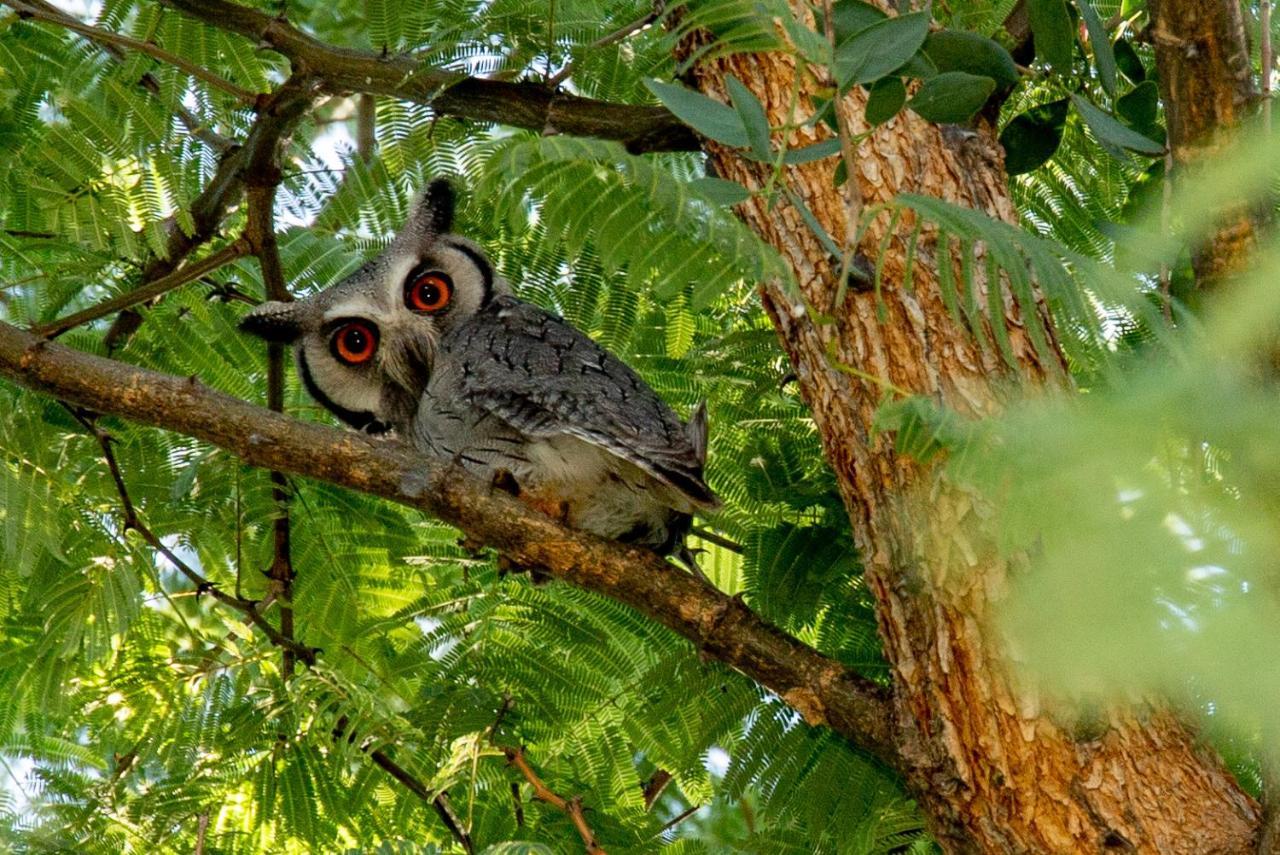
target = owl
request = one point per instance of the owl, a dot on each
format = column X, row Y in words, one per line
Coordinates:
column 427, row 341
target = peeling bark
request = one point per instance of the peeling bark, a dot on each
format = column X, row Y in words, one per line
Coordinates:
column 993, row 771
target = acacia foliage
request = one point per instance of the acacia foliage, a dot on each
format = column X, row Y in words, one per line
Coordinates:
column 141, row 715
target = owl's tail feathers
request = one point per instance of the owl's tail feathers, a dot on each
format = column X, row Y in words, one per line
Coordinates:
column 697, row 431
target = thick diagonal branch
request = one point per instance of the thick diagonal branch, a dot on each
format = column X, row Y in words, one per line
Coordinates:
column 522, row 105
column 723, row 627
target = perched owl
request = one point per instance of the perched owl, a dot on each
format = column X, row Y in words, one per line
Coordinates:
column 427, row 341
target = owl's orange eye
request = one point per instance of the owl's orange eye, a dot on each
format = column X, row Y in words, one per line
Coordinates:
column 354, row 342
column 428, row 292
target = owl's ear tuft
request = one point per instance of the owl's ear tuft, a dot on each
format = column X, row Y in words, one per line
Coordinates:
column 274, row 321
column 432, row 214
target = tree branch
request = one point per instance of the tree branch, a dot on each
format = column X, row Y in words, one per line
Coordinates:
column 105, row 37
column 1207, row 87
column 261, row 235
column 822, row 689
column 133, row 522
column 278, row 114
column 541, row 792
column 522, row 105
column 142, row 294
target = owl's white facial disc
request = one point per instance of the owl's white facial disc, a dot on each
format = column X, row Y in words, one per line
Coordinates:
column 366, row 345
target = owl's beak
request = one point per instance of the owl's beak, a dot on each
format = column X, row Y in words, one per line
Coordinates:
column 274, row 321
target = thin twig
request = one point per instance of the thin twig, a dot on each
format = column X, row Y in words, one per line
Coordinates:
column 604, row 41
column 571, row 807
column 718, row 539
column 679, row 818
column 260, row 232
column 132, row 521
column 164, row 284
column 101, row 36
column 251, row 610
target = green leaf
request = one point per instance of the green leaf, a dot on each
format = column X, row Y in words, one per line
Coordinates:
column 812, row 46
column 854, row 16
column 1113, row 133
column 1053, row 33
column 1140, row 106
column 707, row 116
column 814, row 151
column 1100, row 41
column 956, row 50
column 753, row 117
column 887, row 96
column 720, row 191
column 1128, row 62
column 1031, row 138
column 951, row 97
column 880, row 48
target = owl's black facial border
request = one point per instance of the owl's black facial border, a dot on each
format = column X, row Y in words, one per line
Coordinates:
column 358, row 419
column 486, row 269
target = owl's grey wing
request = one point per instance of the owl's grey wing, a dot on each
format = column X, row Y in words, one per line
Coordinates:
column 543, row 377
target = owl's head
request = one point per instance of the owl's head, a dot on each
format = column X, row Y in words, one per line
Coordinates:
column 366, row 345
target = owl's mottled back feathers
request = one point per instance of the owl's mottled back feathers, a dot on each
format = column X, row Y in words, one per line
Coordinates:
column 543, row 377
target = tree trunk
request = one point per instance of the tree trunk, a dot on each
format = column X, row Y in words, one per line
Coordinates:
column 992, row 770
column 1206, row 84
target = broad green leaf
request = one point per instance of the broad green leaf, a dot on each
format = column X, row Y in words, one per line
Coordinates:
column 1140, row 106
column 951, row 97
column 854, row 16
column 753, row 117
column 707, row 116
column 1100, row 41
column 1111, row 132
column 957, row 50
column 1052, row 32
column 814, row 151
column 880, row 48
column 1032, row 137
column 720, row 191
column 1128, row 62
column 886, row 98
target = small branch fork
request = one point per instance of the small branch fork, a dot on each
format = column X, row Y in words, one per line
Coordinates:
column 42, row 12
column 572, row 806
column 250, row 609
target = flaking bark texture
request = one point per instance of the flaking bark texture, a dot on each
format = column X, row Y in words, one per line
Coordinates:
column 993, row 771
column 1207, row 86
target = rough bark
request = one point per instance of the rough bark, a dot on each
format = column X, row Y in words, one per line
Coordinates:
column 821, row 689
column 1208, row 90
column 994, row 772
